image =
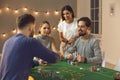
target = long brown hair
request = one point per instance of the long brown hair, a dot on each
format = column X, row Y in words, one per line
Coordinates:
column 41, row 24
column 69, row 8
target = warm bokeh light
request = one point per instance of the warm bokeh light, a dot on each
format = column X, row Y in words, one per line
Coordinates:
column 7, row 9
column 14, row 31
column 4, row 35
column 56, row 12
column 54, row 28
column 16, row 11
column 25, row 9
column 0, row 11
column 34, row 35
column 47, row 13
column 36, row 12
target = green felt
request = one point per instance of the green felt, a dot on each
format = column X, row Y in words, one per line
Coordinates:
column 73, row 72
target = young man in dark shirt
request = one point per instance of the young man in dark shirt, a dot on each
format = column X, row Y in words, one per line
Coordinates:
column 19, row 50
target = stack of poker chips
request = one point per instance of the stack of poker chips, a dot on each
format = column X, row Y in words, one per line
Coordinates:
column 93, row 68
column 117, row 76
column 73, row 61
column 44, row 74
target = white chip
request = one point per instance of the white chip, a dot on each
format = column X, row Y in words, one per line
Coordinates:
column 98, row 69
column 81, row 68
column 57, row 72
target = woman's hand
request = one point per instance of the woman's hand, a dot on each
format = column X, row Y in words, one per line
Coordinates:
column 69, row 56
column 80, row 59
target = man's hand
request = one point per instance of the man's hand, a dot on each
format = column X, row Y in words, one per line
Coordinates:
column 69, row 56
column 41, row 62
column 80, row 59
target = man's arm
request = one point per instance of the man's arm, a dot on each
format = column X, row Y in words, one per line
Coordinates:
column 97, row 53
column 40, row 51
column 72, row 49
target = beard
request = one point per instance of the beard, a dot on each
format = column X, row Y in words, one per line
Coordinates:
column 31, row 34
column 81, row 33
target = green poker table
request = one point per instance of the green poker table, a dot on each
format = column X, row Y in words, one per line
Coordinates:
column 64, row 71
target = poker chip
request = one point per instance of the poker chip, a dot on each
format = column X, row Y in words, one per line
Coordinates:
column 41, row 70
column 30, row 78
column 81, row 68
column 98, row 69
column 57, row 72
column 93, row 68
column 72, row 63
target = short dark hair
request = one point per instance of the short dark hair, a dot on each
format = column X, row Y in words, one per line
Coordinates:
column 86, row 20
column 25, row 19
column 69, row 8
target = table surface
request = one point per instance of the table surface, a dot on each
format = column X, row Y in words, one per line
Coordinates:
column 65, row 71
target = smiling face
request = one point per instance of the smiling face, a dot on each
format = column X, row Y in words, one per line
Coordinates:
column 82, row 28
column 45, row 29
column 67, row 15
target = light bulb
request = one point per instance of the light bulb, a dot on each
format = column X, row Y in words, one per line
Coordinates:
column 0, row 11
column 4, row 35
column 36, row 12
column 16, row 11
column 54, row 28
column 25, row 9
column 56, row 12
column 14, row 31
column 47, row 13
column 7, row 8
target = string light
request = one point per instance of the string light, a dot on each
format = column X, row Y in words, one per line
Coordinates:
column 0, row 11
column 56, row 12
column 25, row 9
column 14, row 31
column 4, row 35
column 16, row 11
column 7, row 9
column 34, row 35
column 47, row 13
column 36, row 12
column 54, row 28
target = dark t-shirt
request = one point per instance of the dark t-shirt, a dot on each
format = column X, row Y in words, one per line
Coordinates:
column 17, row 57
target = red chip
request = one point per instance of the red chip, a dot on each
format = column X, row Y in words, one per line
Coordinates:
column 41, row 71
column 93, row 68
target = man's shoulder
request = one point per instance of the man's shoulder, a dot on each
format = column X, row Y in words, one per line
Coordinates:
column 93, row 39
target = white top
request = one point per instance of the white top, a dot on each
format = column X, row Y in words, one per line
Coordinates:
column 68, row 30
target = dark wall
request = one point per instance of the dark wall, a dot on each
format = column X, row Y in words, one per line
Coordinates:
column 8, row 19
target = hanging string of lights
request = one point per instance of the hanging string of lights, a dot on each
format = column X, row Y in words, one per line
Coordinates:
column 25, row 10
